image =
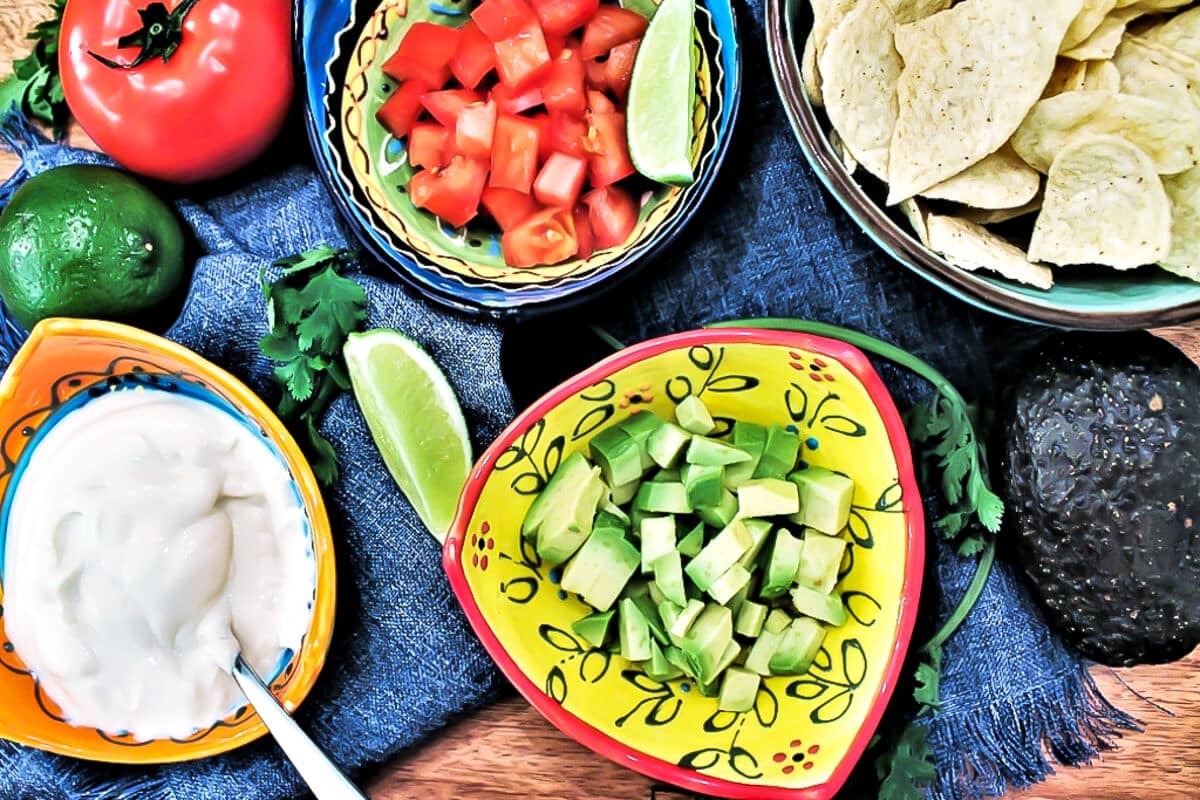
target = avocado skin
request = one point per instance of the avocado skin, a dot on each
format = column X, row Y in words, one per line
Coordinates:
column 1103, row 491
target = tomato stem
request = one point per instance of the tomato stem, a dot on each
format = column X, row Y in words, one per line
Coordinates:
column 159, row 36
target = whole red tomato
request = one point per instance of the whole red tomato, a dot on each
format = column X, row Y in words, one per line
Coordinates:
column 183, row 91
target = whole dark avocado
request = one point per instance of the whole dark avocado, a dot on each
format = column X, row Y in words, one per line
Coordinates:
column 1102, row 466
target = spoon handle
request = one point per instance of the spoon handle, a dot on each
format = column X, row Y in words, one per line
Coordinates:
column 322, row 776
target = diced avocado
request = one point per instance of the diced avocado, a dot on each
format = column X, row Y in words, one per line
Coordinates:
column 656, row 595
column 636, row 517
column 567, row 525
column 692, row 542
column 659, row 668
column 825, row 607
column 727, row 659
column 739, row 689
column 729, row 583
column 640, row 593
column 777, row 621
column 712, row 689
column 640, row 427
column 634, row 632
column 782, row 563
column 798, row 647
column 601, row 568
column 563, row 487
column 693, row 416
column 705, row 643
column 625, row 492
column 749, row 433
column 735, row 602
column 606, row 519
column 750, row 618
column 779, row 454
column 678, row 629
column 759, row 529
column 671, row 475
column 703, row 484
column 664, row 498
column 719, row 555
column 617, row 455
column 677, row 659
column 666, row 444
column 737, row 474
column 825, row 499
column 668, row 574
column 721, row 514
column 820, row 561
column 763, row 649
column 711, row 453
column 658, row 539
column 768, row 497
column 594, row 628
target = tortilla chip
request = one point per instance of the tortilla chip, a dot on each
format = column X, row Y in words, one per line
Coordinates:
column 1086, row 21
column 1153, row 6
column 970, row 74
column 839, row 147
column 1169, row 134
column 993, row 216
column 1180, row 33
column 826, row 14
column 1184, row 192
column 915, row 214
column 1002, row 180
column 1104, row 204
column 972, row 247
column 1106, row 38
column 1147, row 71
column 1101, row 76
column 1069, row 75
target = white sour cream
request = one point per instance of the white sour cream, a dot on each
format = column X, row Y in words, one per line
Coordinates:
column 147, row 531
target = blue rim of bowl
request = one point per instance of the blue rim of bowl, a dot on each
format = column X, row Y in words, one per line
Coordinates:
column 782, row 35
column 490, row 301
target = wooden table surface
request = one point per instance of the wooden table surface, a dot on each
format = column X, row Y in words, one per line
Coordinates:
column 509, row 751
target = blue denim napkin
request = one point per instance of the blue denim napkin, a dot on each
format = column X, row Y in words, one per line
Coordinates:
column 403, row 662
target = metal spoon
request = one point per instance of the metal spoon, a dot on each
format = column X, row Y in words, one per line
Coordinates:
column 322, row 776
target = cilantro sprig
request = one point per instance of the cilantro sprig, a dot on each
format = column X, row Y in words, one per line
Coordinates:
column 34, row 87
column 311, row 309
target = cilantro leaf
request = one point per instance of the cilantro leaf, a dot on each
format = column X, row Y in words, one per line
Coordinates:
column 334, row 307
column 298, row 376
column 34, row 87
column 907, row 768
column 322, row 456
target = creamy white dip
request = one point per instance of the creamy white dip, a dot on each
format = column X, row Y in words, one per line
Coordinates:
column 147, row 531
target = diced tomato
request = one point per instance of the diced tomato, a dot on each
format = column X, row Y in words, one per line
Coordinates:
column 446, row 105
column 474, row 58
column 400, row 111
column 474, row 130
column 560, row 17
column 609, row 27
column 560, row 181
column 599, row 102
column 562, row 133
column 502, row 19
column 515, row 102
column 583, row 233
column 613, row 215
column 618, row 70
column 514, row 153
column 609, row 151
column 428, row 145
column 508, row 207
column 546, row 237
column 563, row 87
column 522, row 58
column 451, row 193
column 597, row 74
column 424, row 54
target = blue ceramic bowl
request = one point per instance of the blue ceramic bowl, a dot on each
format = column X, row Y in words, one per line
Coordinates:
column 341, row 45
column 1099, row 299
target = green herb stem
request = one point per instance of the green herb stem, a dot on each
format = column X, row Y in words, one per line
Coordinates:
column 983, row 569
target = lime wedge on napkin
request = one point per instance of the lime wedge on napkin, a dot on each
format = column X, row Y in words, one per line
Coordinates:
column 659, row 111
column 415, row 420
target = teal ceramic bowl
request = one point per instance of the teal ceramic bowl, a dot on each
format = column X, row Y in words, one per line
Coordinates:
column 1097, row 300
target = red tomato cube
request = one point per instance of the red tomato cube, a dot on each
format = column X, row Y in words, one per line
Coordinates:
column 452, row 193
column 597, row 74
column 503, row 19
column 446, row 105
column 510, row 101
column 610, row 27
column 613, row 215
column 546, row 237
column 563, row 87
column 429, row 145
column 400, row 111
column 514, row 153
column 562, row 133
column 560, row 181
column 560, row 17
column 522, row 58
column 424, row 54
column 508, row 207
column 599, row 102
column 475, row 128
column 609, row 150
column 618, row 70
column 583, row 233
column 474, row 58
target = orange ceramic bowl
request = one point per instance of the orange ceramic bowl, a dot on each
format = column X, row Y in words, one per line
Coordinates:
column 63, row 361
column 804, row 733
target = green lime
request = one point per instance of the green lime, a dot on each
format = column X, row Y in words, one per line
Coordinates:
column 87, row 241
column 659, row 111
column 415, row 420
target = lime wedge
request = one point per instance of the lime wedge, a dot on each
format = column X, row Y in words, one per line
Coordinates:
column 659, row 111
column 415, row 420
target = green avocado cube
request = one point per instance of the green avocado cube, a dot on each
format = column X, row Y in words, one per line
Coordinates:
column 798, row 647
column 707, row 640
column 601, row 568
column 719, row 554
column 594, row 628
column 739, row 690
column 782, row 563
column 759, row 529
column 634, row 632
column 692, row 542
column 751, row 439
column 780, row 452
column 658, row 539
column 563, row 487
column 749, row 619
column 664, row 498
column 677, row 659
column 668, row 576
column 640, row 593
column 640, row 427
column 606, row 519
column 820, row 561
column 684, row 619
column 728, row 658
column 825, row 499
column 625, row 492
column 721, row 514
column 777, row 621
column 728, row 584
column 711, row 453
column 703, row 484
column 569, row 523
column 768, row 497
column 617, row 455
column 693, row 416
column 759, row 658
column 825, row 607
column 659, row 668
column 666, row 444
